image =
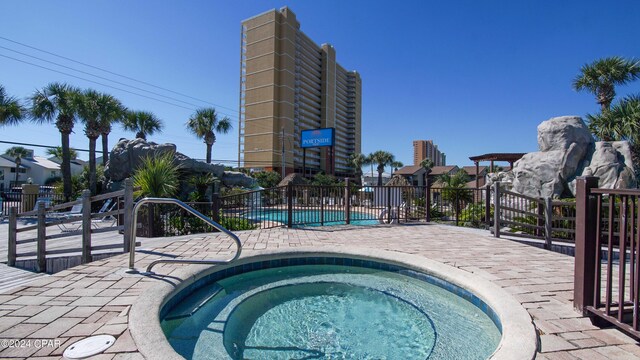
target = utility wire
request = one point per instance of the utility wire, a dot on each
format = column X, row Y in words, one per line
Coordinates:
column 37, row 145
column 99, row 77
column 95, row 82
column 116, row 74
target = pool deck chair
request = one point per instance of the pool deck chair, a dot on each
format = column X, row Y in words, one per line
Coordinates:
column 108, row 206
column 75, row 212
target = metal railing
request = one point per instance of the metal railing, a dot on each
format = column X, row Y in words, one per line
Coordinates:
column 322, row 205
column 132, row 252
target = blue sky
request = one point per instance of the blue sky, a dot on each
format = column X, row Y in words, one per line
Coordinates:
column 474, row 76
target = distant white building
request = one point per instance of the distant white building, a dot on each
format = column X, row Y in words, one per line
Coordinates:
column 38, row 169
column 8, row 173
column 41, row 169
column 77, row 165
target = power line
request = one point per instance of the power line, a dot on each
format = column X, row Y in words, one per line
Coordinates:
column 37, row 145
column 99, row 77
column 95, row 82
column 116, row 74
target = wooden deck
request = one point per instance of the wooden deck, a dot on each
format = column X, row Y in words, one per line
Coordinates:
column 11, row 277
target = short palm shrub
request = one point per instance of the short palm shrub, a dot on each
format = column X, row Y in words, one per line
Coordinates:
column 157, row 176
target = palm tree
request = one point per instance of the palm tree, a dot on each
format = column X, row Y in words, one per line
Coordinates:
column 88, row 108
column 395, row 165
column 57, row 152
column 157, row 176
column 17, row 153
column 427, row 165
column 111, row 112
column 621, row 122
column 204, row 124
column 56, row 101
column 601, row 76
column 382, row 159
column 143, row 123
column 201, row 182
column 357, row 160
column 11, row 111
column 603, row 126
column 455, row 190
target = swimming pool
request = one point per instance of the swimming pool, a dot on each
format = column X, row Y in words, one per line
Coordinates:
column 329, row 308
column 312, row 217
column 246, row 310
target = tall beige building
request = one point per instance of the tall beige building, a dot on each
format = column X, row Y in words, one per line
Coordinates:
column 288, row 84
column 426, row 149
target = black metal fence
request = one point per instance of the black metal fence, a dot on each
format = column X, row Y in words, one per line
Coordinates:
column 312, row 205
column 26, row 202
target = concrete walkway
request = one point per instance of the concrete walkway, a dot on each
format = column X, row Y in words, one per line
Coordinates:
column 96, row 298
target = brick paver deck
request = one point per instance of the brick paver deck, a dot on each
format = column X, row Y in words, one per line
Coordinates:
column 96, row 298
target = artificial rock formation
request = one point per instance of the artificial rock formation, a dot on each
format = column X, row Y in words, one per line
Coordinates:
column 567, row 150
column 127, row 155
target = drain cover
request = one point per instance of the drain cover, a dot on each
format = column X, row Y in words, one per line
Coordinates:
column 89, row 347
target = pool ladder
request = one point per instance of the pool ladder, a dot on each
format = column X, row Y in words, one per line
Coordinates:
column 153, row 200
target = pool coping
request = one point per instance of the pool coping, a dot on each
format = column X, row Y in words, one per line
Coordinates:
column 519, row 338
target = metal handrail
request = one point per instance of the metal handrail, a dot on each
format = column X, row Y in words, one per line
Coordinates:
column 149, row 200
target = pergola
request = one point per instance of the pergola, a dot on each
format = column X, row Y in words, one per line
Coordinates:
column 493, row 157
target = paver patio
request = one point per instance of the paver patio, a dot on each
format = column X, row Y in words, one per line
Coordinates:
column 96, row 298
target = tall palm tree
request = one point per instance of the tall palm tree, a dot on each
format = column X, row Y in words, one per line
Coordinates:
column 601, row 76
column 427, row 165
column 143, row 123
column 357, row 160
column 111, row 111
column 88, row 108
column 204, row 124
column 17, row 153
column 57, row 152
column 621, row 122
column 382, row 159
column 395, row 165
column 11, row 110
column 55, row 102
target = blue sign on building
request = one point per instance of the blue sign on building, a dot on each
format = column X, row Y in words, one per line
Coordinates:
column 317, row 137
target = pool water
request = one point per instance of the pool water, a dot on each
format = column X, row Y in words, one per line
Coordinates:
column 328, row 312
column 313, row 218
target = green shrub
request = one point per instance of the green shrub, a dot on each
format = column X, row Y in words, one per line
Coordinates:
column 236, row 224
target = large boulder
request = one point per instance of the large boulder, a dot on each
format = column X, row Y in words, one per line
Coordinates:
column 567, row 150
column 539, row 174
column 611, row 162
column 127, row 155
column 560, row 133
column 563, row 142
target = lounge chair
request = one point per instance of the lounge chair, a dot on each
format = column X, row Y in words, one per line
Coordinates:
column 45, row 200
column 108, row 206
column 75, row 212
